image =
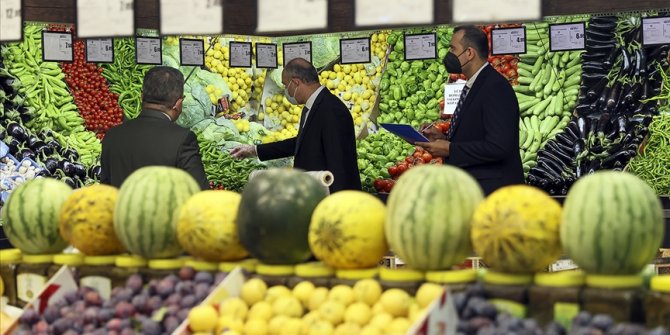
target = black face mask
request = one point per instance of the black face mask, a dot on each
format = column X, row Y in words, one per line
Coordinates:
column 452, row 63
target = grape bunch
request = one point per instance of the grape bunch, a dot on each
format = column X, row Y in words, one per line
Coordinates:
column 153, row 308
column 479, row 317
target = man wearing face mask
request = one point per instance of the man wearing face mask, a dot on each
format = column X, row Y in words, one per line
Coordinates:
column 153, row 138
column 484, row 135
column 326, row 138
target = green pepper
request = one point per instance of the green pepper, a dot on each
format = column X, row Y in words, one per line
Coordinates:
column 427, row 85
column 432, row 77
column 384, row 84
column 432, row 103
column 417, row 64
column 436, row 86
column 399, row 46
column 398, row 115
column 397, row 92
column 383, row 107
column 433, row 67
column 410, row 113
column 402, row 103
column 392, row 72
column 404, row 66
column 393, row 104
column 393, row 56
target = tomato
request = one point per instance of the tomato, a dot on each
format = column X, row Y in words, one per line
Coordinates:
column 378, row 184
column 393, row 171
column 417, row 154
column 408, row 160
column 402, row 167
column 427, row 157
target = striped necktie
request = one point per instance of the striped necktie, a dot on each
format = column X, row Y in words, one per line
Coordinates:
column 457, row 112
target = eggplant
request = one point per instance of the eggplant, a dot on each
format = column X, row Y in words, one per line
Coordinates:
column 55, row 145
column 613, row 97
column 32, row 139
column 94, row 172
column 583, row 109
column 591, row 57
column 633, row 93
column 68, row 168
column 553, row 174
column 27, row 153
column 602, row 99
column 563, row 139
column 578, row 147
column 79, row 170
column 606, row 48
column 70, row 154
column 619, row 156
column 581, row 126
column 42, row 149
column 592, row 40
column 602, row 27
column 596, row 89
column 16, row 131
column 70, row 182
column 602, row 123
column 595, row 68
column 599, row 35
column 43, row 173
column 51, row 165
column 625, row 61
column 14, row 146
column 641, row 64
column 572, row 130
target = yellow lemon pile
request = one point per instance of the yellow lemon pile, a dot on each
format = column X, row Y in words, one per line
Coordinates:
column 238, row 79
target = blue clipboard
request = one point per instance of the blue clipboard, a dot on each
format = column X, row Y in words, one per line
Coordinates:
column 406, row 132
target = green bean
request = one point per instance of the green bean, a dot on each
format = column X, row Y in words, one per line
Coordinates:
column 653, row 164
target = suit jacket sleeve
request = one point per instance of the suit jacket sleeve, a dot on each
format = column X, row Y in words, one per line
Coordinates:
column 105, row 176
column 500, row 122
column 281, row 149
column 338, row 134
column 189, row 160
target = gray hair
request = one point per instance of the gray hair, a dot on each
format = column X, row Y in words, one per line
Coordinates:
column 163, row 85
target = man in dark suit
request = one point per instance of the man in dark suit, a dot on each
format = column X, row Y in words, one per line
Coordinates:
column 484, row 135
column 326, row 139
column 153, row 138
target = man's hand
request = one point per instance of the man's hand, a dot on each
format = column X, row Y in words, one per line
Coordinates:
column 439, row 148
column 432, row 133
column 243, row 151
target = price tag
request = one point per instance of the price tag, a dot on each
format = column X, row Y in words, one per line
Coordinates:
column 100, row 50
column 297, row 50
column 11, row 17
column 192, row 52
column 564, row 37
column 452, row 93
column 491, row 10
column 291, row 15
column 105, row 18
column 148, row 50
column 240, row 54
column 57, row 47
column 655, row 30
column 395, row 12
column 355, row 50
column 508, row 41
column 420, row 46
column 191, row 17
column 266, row 55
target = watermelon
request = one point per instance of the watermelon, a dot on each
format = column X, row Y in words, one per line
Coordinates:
column 30, row 216
column 516, row 230
column 612, row 223
column 206, row 226
column 146, row 210
column 347, row 230
column 274, row 215
column 429, row 215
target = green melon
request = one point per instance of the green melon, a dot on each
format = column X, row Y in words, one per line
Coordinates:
column 274, row 215
column 429, row 215
column 612, row 223
column 30, row 216
column 145, row 215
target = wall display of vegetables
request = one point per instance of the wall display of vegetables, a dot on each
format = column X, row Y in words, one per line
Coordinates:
column 613, row 111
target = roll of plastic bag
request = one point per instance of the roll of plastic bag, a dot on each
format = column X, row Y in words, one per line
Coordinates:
column 325, row 178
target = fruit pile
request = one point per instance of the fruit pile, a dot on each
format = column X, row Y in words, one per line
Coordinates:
column 306, row 309
column 239, row 80
column 153, row 308
column 284, row 117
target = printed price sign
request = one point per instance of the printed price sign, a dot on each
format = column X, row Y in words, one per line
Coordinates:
column 491, row 10
column 266, row 55
column 192, row 17
column 100, row 50
column 565, row 37
column 355, row 50
column 292, row 15
column 148, row 50
column 655, row 30
column 395, row 12
column 105, row 18
column 508, row 41
column 452, row 93
column 420, row 46
column 57, row 47
column 297, row 50
column 11, row 25
column 240, row 54
column 192, row 52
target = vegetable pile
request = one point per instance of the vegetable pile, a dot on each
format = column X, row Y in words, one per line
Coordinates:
column 378, row 152
column 506, row 65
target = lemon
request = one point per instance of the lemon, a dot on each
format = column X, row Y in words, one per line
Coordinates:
column 346, row 69
column 332, row 75
column 427, row 293
column 311, row 317
column 342, row 293
column 256, row 327
column 371, row 330
column 396, row 302
column 253, row 291
column 381, row 320
column 228, row 323
column 415, row 312
column 292, row 326
column 358, row 313
column 319, row 295
column 287, row 305
column 347, row 96
column 210, row 89
column 276, row 292
column 398, row 326
column 304, row 289
column 347, row 329
column 337, row 68
column 227, row 332
column 203, row 318
column 378, row 308
column 368, row 291
column 332, row 311
column 276, row 323
column 320, row 328
column 235, row 308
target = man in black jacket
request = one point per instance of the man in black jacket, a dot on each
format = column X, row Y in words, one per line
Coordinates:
column 484, row 135
column 153, row 138
column 326, row 139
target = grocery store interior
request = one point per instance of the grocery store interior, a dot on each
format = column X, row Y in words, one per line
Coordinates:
column 423, row 239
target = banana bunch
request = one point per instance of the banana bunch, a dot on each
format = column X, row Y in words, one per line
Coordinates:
column 42, row 85
column 217, row 59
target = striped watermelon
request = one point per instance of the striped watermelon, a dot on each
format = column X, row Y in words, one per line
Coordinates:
column 429, row 216
column 30, row 216
column 146, row 210
column 612, row 223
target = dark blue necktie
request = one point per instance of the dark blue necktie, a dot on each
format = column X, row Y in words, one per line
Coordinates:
column 457, row 112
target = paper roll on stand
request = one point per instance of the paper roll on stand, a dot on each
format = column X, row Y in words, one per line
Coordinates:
column 325, row 178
